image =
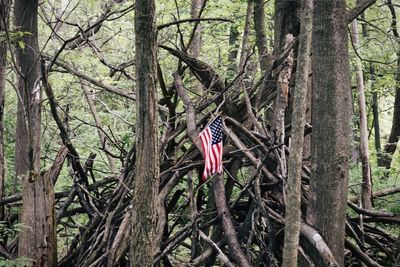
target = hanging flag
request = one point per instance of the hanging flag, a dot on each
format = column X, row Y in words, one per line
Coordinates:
column 211, row 140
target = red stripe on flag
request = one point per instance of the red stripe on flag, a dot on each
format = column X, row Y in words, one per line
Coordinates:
column 212, row 153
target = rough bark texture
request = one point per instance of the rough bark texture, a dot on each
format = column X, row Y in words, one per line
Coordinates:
column 286, row 21
column 293, row 211
column 261, row 38
column 331, row 124
column 146, row 207
column 366, row 189
column 37, row 241
column 4, row 17
column 281, row 103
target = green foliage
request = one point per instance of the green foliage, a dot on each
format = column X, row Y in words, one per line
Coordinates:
column 15, row 37
column 19, row 262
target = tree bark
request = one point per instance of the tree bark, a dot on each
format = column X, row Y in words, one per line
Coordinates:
column 37, row 241
column 366, row 188
column 146, row 230
column 281, row 104
column 375, row 112
column 233, row 51
column 331, row 113
column 261, row 38
column 195, row 45
column 227, row 224
column 286, row 22
column 246, row 35
column 393, row 139
column 293, row 211
column 4, row 20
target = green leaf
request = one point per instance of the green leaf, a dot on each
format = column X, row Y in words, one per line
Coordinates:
column 21, row 44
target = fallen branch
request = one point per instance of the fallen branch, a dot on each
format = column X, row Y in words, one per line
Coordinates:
column 361, row 255
column 221, row 256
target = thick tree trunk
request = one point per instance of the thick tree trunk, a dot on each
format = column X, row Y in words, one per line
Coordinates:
column 37, row 241
column 293, row 211
column 4, row 18
column 366, row 189
column 331, row 113
column 146, row 207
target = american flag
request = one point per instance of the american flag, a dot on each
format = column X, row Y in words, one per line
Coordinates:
column 211, row 140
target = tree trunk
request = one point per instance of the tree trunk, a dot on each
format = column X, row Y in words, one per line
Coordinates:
column 4, row 18
column 146, row 231
column 227, row 224
column 37, row 240
column 331, row 113
column 375, row 112
column 286, row 21
column 293, row 211
column 261, row 38
column 103, row 140
column 195, row 46
column 281, row 103
column 246, row 35
column 393, row 139
column 391, row 144
column 366, row 189
column 233, row 51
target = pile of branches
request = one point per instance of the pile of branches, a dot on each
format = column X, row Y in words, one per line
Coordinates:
column 238, row 220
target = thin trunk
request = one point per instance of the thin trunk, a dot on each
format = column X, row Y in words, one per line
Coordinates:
column 146, row 229
column 4, row 19
column 293, row 211
column 366, row 192
column 37, row 241
column 99, row 125
column 233, row 51
column 375, row 104
column 245, row 39
column 195, row 45
column 331, row 113
column 393, row 139
column 375, row 112
column 261, row 38
column 281, row 103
